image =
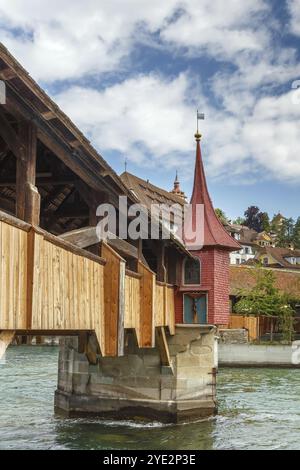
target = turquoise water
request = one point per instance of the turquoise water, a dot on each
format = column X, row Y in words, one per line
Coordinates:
column 259, row 409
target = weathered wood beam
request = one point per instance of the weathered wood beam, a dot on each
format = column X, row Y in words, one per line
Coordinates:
column 88, row 345
column 7, row 204
column 48, row 200
column 41, row 181
column 48, row 115
column 10, row 137
column 161, row 268
column 7, row 74
column 87, row 236
column 6, row 338
column 71, row 213
column 54, row 216
column 121, row 318
column 85, row 166
column 163, row 348
column 27, row 195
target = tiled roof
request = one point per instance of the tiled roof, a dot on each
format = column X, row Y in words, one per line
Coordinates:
column 241, row 277
column 147, row 193
column 279, row 254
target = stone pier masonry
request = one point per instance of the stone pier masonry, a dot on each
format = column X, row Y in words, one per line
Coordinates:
column 136, row 385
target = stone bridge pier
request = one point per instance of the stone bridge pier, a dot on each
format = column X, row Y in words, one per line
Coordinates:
column 137, row 385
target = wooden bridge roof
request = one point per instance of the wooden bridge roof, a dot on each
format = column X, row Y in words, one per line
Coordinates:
column 57, row 136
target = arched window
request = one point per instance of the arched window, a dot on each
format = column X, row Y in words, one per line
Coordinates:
column 192, row 271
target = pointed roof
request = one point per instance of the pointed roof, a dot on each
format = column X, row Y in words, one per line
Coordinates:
column 215, row 234
column 176, row 190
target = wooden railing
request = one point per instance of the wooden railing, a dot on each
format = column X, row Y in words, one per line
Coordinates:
column 50, row 286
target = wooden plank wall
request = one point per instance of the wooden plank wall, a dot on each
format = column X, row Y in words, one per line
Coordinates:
column 68, row 290
column 249, row 323
column 111, row 299
column 160, row 305
column 13, row 277
column 132, row 302
column 170, row 309
column 47, row 284
column 147, row 293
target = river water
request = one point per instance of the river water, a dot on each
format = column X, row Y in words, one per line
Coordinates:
column 258, row 409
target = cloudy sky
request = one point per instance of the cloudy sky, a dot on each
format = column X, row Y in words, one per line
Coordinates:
column 131, row 74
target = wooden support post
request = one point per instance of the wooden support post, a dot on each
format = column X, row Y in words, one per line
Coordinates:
column 140, row 249
column 161, row 268
column 93, row 202
column 30, row 274
column 6, row 338
column 121, row 309
column 163, row 348
column 27, row 196
column 88, row 346
column 147, row 306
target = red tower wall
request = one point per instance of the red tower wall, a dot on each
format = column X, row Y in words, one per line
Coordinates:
column 214, row 281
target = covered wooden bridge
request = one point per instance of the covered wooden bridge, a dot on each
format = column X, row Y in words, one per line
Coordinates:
column 52, row 282
column 51, row 287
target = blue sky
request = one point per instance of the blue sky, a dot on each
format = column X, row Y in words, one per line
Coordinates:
column 132, row 73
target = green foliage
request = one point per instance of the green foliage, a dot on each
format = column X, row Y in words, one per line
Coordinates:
column 285, row 233
column 221, row 215
column 257, row 220
column 266, row 299
column 239, row 221
column 296, row 234
column 265, row 222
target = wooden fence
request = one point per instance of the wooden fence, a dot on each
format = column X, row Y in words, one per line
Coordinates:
column 249, row 323
column 49, row 286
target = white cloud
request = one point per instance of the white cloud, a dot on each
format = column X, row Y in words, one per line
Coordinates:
column 219, row 29
column 294, row 10
column 272, row 136
column 248, row 132
column 66, row 40
column 141, row 117
column 148, row 120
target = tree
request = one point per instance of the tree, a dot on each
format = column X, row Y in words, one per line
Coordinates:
column 221, row 215
column 296, row 234
column 265, row 221
column 285, row 233
column 266, row 299
column 239, row 221
column 256, row 219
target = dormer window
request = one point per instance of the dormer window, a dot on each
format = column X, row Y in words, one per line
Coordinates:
column 192, row 272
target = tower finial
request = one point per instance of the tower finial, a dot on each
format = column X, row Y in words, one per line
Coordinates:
column 176, row 190
column 125, row 164
column 199, row 116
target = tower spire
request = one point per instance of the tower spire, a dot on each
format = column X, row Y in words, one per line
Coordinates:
column 214, row 233
column 176, row 190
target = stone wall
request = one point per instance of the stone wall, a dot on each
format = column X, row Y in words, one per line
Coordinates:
column 233, row 336
column 137, row 385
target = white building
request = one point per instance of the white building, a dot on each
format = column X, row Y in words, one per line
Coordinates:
column 245, row 237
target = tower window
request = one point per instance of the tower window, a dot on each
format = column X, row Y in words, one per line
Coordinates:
column 192, row 271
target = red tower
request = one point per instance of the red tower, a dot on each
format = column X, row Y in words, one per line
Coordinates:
column 203, row 296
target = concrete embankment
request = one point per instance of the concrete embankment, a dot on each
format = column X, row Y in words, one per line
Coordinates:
column 253, row 355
